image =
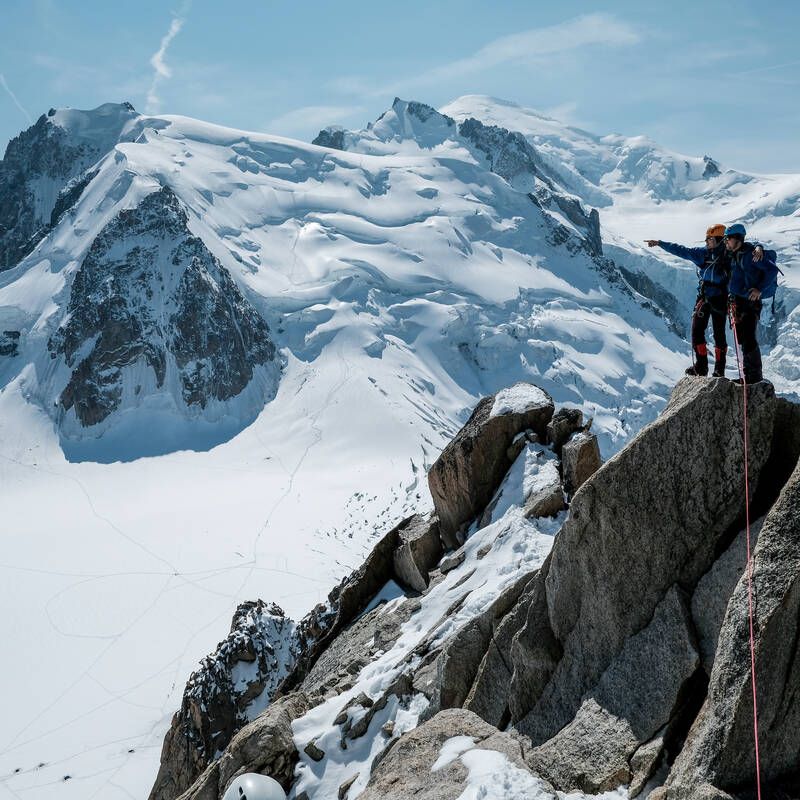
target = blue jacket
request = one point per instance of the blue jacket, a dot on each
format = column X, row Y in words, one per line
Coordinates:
column 713, row 266
column 747, row 274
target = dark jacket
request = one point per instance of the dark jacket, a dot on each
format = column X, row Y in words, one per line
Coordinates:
column 747, row 274
column 713, row 266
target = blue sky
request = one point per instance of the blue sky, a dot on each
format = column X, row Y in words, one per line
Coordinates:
column 724, row 80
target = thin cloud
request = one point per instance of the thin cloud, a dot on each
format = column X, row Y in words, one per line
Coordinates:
column 14, row 98
column 769, row 68
column 526, row 47
column 301, row 120
column 158, row 61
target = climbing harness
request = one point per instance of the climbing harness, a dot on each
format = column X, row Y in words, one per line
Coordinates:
column 749, row 554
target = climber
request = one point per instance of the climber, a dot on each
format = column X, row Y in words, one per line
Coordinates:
column 754, row 275
column 713, row 271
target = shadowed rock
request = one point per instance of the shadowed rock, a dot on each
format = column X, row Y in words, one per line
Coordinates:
column 580, row 459
column 418, row 550
column 470, row 469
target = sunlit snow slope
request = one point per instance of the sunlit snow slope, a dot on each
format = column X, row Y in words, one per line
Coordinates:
column 400, row 279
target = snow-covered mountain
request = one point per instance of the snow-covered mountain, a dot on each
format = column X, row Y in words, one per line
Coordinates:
column 227, row 359
column 644, row 191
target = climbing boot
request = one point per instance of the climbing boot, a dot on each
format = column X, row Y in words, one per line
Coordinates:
column 719, row 362
column 700, row 366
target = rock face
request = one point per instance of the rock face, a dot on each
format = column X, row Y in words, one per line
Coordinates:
column 264, row 746
column 580, row 458
column 592, row 753
column 607, row 665
column 719, row 749
column 654, row 492
column 330, row 137
column 151, row 309
column 229, row 687
column 427, row 763
column 470, row 469
column 44, row 171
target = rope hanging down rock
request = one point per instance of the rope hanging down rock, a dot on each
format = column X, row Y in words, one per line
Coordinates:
column 749, row 553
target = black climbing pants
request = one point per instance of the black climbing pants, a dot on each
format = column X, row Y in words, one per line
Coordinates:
column 715, row 309
column 746, row 314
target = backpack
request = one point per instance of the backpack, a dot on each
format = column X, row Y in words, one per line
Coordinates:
column 771, row 270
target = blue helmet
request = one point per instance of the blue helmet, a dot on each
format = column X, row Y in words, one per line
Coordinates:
column 736, row 230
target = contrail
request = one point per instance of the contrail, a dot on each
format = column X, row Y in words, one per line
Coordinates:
column 14, row 98
column 158, row 60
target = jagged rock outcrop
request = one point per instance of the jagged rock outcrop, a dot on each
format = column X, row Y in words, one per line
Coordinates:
column 221, row 697
column 564, row 423
column 470, row 469
column 9, row 343
column 609, row 689
column 265, row 746
column 230, row 687
column 653, row 492
column 151, row 309
column 418, row 550
column 711, row 169
column 44, row 171
column 349, row 599
column 332, row 137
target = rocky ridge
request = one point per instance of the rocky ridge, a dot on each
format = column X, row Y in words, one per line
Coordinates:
column 604, row 676
column 43, row 173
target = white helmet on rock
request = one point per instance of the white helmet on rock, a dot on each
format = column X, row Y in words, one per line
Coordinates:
column 252, row 786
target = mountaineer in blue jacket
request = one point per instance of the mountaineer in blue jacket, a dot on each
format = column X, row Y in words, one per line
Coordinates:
column 713, row 270
column 753, row 275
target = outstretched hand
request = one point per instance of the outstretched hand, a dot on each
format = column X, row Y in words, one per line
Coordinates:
column 758, row 253
column 652, row 242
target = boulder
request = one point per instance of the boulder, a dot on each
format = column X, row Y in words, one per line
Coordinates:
column 470, row 469
column 418, row 550
column 564, row 423
column 428, row 763
column 580, row 459
column 546, row 502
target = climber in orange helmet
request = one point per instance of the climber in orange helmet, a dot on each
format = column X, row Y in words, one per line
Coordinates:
column 713, row 272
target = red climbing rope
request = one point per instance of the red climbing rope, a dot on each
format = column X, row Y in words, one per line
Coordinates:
column 749, row 554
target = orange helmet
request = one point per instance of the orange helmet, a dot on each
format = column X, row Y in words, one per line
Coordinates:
column 716, row 230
